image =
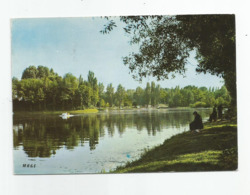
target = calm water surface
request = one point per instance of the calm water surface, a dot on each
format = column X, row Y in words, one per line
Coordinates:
column 92, row 143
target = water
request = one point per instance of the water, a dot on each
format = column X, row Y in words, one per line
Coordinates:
column 92, row 143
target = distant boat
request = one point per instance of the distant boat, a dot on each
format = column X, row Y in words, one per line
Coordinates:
column 65, row 115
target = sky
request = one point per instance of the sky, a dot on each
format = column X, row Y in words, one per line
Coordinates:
column 76, row 45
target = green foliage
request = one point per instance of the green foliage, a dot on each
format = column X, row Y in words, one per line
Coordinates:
column 29, row 73
column 48, row 91
column 92, row 80
column 110, row 94
column 102, row 103
column 42, row 72
column 139, row 96
column 120, row 94
column 198, row 105
column 42, row 89
column 129, row 97
column 148, row 94
column 165, row 43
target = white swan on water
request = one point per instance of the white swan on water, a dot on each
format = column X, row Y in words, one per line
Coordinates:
column 65, row 115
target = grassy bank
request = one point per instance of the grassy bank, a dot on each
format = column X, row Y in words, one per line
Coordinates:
column 85, row 111
column 212, row 149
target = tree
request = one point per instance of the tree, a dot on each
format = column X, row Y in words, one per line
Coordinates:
column 120, row 94
column 54, row 92
column 110, row 94
column 31, row 92
column 129, row 97
column 87, row 94
column 92, row 80
column 69, row 87
column 30, row 73
column 80, row 80
column 190, row 97
column 101, row 94
column 157, row 94
column 163, row 96
column 139, row 96
column 42, row 72
column 15, row 83
column 40, row 96
column 102, row 103
column 153, row 98
column 177, row 98
column 101, row 90
column 148, row 94
column 165, row 43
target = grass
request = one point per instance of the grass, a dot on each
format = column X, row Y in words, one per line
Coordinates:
column 212, row 149
column 83, row 111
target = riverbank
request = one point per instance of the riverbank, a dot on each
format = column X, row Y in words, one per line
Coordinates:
column 212, row 149
column 85, row 111
column 95, row 110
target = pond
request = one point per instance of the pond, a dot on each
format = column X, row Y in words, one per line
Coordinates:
column 92, row 143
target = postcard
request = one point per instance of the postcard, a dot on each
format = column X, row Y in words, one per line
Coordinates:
column 125, row 94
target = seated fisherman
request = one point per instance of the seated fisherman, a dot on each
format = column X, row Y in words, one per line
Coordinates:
column 213, row 116
column 220, row 108
column 196, row 123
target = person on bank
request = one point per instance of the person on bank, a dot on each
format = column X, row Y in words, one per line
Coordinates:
column 196, row 124
column 213, row 116
column 220, row 108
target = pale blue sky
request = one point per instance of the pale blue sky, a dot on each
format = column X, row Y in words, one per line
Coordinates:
column 75, row 45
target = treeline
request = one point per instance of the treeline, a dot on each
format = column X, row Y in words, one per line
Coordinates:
column 42, row 89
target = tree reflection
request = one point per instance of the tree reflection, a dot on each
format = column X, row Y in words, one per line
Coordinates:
column 42, row 135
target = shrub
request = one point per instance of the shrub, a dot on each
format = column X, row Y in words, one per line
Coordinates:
column 198, row 104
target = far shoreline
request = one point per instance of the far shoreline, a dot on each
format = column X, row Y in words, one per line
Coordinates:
column 97, row 110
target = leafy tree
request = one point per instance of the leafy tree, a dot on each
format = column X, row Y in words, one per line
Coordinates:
column 163, row 96
column 129, row 97
column 148, row 94
column 166, row 42
column 31, row 92
column 80, row 80
column 190, row 97
column 15, row 83
column 102, row 103
column 101, row 90
column 30, row 73
column 92, row 80
column 69, row 87
column 110, row 94
column 87, row 94
column 54, row 92
column 40, row 96
column 157, row 94
column 139, row 96
column 42, row 72
column 120, row 94
column 153, row 98
column 177, row 97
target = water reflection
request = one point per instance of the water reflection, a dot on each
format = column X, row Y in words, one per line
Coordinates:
column 43, row 135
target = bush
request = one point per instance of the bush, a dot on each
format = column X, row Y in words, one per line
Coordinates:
column 198, row 104
column 91, row 107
